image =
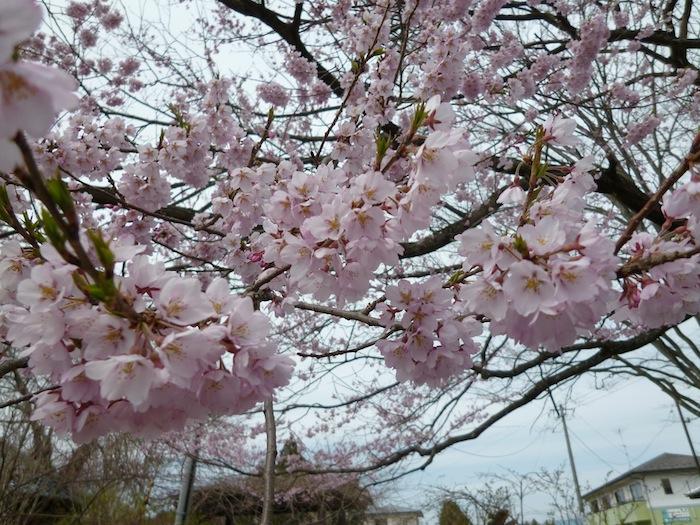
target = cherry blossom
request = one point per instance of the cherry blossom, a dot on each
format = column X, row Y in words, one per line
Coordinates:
column 18, row 20
column 172, row 241
column 27, row 99
column 560, row 131
column 127, row 376
column 182, row 301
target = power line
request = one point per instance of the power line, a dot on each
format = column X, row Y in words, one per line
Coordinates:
column 614, row 469
column 656, row 436
column 488, row 456
column 592, row 427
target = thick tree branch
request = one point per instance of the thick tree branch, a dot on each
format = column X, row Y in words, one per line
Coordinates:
column 446, row 235
column 10, row 365
column 289, row 33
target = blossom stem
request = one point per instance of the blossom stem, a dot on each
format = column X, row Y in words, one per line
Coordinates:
column 684, row 166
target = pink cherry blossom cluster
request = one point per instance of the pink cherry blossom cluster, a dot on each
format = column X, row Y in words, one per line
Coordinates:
column 435, row 343
column 322, row 198
column 334, row 228
column 31, row 94
column 640, row 130
column 593, row 36
column 109, row 18
column 666, row 292
column 117, row 371
column 86, row 149
column 551, row 280
column 273, row 94
column 331, row 239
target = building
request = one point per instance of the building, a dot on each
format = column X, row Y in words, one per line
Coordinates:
column 392, row 516
column 653, row 493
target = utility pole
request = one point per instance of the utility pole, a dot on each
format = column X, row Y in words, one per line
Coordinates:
column 579, row 499
column 189, row 470
column 687, row 434
column 270, row 458
column 522, row 517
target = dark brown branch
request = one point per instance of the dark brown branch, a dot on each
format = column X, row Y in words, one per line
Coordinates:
column 646, row 263
column 351, row 316
column 289, row 33
column 447, row 234
column 25, row 398
column 107, row 197
column 608, row 350
column 10, row 365
column 656, row 198
column 611, row 181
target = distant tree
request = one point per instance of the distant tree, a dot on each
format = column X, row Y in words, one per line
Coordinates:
column 559, row 488
column 501, row 517
column 451, row 514
column 484, row 503
column 290, row 453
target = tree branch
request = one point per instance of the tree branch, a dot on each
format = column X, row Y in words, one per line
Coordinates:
column 10, row 365
column 289, row 33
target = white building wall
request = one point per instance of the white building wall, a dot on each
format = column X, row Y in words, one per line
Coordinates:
column 681, row 484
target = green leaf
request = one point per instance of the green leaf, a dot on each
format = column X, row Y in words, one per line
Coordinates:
column 383, row 141
column 52, row 230
column 520, row 245
column 33, row 227
column 456, row 277
column 104, row 254
column 61, row 195
column 96, row 292
column 419, row 116
column 6, row 212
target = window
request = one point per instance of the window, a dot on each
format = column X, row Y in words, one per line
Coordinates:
column 605, row 502
column 637, row 492
column 594, row 505
column 666, row 485
column 620, row 496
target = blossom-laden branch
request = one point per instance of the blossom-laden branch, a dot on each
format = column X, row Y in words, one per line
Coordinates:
column 692, row 158
column 414, row 221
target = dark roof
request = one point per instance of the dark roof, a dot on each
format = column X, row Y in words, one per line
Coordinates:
column 662, row 463
column 382, row 511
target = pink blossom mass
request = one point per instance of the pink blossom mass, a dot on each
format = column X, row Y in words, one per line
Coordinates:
column 381, row 204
